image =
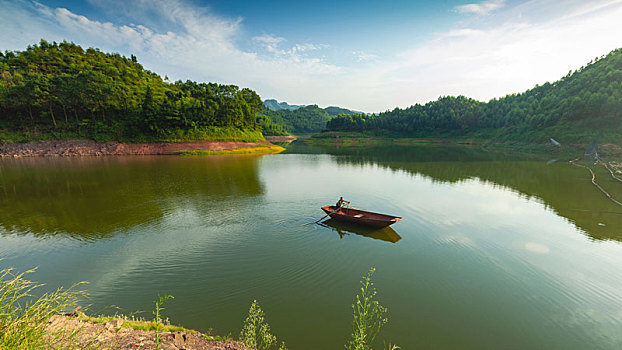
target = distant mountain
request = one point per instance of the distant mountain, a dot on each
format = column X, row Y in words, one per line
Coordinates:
column 275, row 105
column 334, row 111
column 281, row 117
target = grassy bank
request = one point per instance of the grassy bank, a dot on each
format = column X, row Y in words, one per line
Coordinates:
column 211, row 133
column 609, row 146
column 366, row 139
column 139, row 324
column 242, row 150
column 33, row 320
column 569, row 134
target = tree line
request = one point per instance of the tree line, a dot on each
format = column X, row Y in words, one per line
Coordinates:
column 586, row 101
column 62, row 88
column 304, row 120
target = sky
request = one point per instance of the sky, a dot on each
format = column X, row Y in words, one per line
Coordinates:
column 365, row 55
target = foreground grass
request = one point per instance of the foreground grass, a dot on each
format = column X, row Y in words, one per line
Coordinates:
column 24, row 318
column 29, row 320
column 243, row 150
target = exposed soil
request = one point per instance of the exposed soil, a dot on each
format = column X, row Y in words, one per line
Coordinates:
column 112, row 335
column 280, row 139
column 92, row 148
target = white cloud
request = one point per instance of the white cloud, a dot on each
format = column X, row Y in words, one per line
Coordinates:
column 463, row 32
column 269, row 39
column 482, row 57
column 362, row 56
column 507, row 57
column 308, row 47
column 270, row 43
column 482, row 8
column 202, row 48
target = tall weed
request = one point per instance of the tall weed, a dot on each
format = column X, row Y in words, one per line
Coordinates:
column 368, row 316
column 24, row 316
column 159, row 307
column 256, row 331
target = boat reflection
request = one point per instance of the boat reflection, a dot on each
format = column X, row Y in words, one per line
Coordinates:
column 344, row 228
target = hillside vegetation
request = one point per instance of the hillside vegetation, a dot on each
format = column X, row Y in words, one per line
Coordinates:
column 581, row 106
column 304, row 120
column 53, row 90
column 281, row 118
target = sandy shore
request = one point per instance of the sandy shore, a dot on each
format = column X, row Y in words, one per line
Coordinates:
column 92, row 148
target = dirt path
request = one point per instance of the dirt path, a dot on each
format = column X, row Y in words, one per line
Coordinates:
column 92, row 148
column 115, row 335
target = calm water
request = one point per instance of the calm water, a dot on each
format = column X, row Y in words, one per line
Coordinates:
column 493, row 252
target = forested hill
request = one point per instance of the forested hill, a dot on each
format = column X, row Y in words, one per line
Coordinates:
column 280, row 117
column 308, row 119
column 579, row 107
column 333, row 110
column 64, row 91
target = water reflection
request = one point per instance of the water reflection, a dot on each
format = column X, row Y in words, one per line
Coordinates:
column 481, row 252
column 565, row 189
column 90, row 198
column 344, row 228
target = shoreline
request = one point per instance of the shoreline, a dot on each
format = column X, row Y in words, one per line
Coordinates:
column 73, row 148
column 122, row 333
column 281, row 139
column 361, row 139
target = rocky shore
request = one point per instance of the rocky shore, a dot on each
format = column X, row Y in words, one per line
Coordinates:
column 67, row 148
column 119, row 334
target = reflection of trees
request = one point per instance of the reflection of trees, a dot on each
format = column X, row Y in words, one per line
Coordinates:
column 563, row 188
column 93, row 197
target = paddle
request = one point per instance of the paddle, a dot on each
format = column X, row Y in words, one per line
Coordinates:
column 322, row 218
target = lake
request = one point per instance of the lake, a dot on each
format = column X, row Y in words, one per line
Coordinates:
column 495, row 251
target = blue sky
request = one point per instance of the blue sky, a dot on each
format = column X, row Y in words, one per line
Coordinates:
column 364, row 55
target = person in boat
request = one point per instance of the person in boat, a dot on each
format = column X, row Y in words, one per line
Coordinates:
column 341, row 202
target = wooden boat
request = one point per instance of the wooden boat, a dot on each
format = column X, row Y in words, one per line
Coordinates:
column 360, row 217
